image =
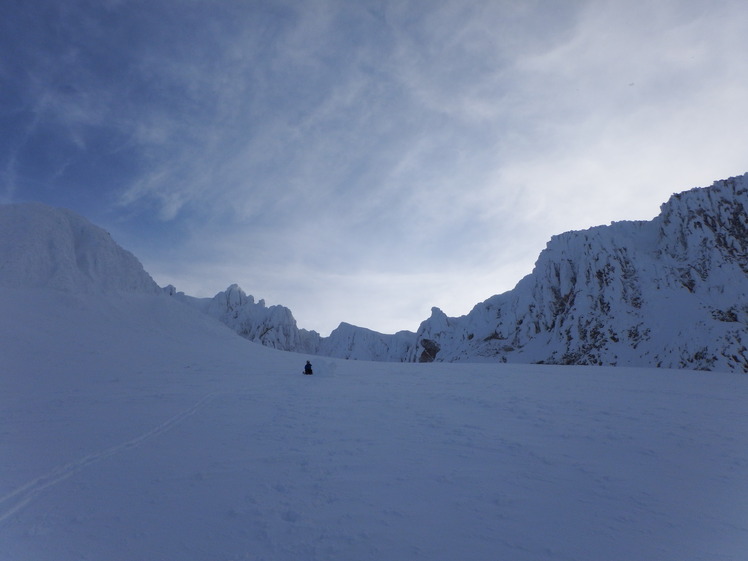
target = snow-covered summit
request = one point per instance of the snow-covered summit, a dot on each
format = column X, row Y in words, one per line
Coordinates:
column 358, row 343
column 272, row 326
column 46, row 247
column 275, row 327
column 670, row 292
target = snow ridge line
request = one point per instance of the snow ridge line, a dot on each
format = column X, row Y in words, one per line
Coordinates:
column 18, row 499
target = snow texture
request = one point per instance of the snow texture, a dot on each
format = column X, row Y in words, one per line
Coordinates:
column 133, row 426
column 41, row 246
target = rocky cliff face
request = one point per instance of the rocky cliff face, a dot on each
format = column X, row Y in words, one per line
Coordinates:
column 276, row 327
column 272, row 326
column 671, row 292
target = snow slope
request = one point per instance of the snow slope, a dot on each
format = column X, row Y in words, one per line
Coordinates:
column 134, row 427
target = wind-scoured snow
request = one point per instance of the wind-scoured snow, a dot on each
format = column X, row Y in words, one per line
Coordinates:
column 135, row 426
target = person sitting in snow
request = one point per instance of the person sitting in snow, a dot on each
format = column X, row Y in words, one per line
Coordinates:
column 308, row 368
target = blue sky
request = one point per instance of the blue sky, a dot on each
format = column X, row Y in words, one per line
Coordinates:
column 363, row 161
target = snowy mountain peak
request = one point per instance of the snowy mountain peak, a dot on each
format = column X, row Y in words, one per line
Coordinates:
column 41, row 246
column 669, row 292
column 701, row 224
column 232, row 299
column 272, row 326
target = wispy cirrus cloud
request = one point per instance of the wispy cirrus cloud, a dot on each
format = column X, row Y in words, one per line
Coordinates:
column 333, row 153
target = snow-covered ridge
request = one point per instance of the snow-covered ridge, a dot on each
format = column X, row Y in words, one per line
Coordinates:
column 670, row 292
column 275, row 327
column 46, row 247
column 272, row 326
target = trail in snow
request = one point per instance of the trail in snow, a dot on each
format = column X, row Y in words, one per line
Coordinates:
column 22, row 496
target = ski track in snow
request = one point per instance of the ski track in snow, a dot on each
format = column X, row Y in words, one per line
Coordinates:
column 21, row 497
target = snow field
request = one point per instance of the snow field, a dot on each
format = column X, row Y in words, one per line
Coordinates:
column 132, row 427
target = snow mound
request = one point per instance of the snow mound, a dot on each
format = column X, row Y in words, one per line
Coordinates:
column 46, row 247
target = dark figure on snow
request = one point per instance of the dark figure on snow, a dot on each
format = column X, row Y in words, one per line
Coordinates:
column 308, row 368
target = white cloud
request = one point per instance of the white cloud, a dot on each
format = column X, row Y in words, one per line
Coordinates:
column 355, row 161
column 499, row 143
